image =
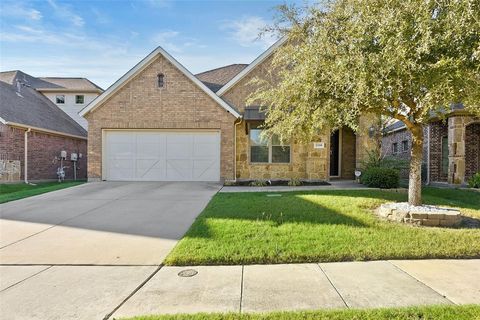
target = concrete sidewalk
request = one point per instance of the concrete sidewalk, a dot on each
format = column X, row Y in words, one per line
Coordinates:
column 92, row 292
column 334, row 185
column 264, row 288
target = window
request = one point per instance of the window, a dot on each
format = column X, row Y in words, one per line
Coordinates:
column 264, row 150
column 160, row 79
column 405, row 145
column 395, row 148
column 60, row 99
column 79, row 99
column 444, row 155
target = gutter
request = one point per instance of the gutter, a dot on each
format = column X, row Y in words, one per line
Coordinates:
column 19, row 125
column 25, row 161
column 235, row 149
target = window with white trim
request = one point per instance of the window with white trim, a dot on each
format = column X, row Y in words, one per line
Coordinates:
column 60, row 99
column 79, row 99
column 395, row 148
column 264, row 150
column 405, row 145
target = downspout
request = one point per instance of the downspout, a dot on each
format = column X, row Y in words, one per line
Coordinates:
column 25, row 161
column 235, row 150
column 428, row 156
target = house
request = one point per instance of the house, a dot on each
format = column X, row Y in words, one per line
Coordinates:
column 451, row 147
column 161, row 122
column 69, row 94
column 34, row 131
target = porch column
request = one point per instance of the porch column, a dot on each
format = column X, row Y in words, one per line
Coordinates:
column 456, row 149
column 368, row 137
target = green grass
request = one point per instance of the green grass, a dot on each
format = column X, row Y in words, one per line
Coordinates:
column 10, row 192
column 321, row 226
column 469, row 312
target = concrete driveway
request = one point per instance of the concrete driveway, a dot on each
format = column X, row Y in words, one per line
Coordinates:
column 78, row 253
column 107, row 223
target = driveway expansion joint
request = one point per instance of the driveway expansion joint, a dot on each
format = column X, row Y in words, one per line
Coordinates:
column 27, row 278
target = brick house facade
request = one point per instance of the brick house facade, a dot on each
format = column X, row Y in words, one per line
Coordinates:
column 43, row 154
column 26, row 114
column 451, row 148
column 137, row 103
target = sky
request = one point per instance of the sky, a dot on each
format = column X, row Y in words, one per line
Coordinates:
column 101, row 40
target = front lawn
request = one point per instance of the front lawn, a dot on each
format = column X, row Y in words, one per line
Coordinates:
column 471, row 312
column 15, row 191
column 321, row 226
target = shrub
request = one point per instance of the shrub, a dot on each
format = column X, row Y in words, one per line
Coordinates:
column 474, row 181
column 258, row 183
column 294, row 182
column 381, row 177
column 375, row 160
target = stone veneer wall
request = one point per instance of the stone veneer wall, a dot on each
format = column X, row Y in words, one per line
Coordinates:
column 141, row 104
column 305, row 162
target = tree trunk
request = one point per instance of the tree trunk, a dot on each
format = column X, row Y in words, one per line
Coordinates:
column 415, row 177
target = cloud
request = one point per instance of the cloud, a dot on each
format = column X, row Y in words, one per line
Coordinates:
column 65, row 13
column 100, row 17
column 20, row 11
column 246, row 31
column 164, row 39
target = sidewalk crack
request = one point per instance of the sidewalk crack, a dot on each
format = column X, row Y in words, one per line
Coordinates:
column 418, row 280
column 107, row 316
column 336, row 290
column 241, row 290
column 23, row 280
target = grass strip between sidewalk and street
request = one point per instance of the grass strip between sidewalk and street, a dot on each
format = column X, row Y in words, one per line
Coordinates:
column 466, row 312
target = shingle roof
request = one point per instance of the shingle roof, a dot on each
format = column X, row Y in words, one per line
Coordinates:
column 29, row 107
column 394, row 126
column 216, row 78
column 49, row 83
column 71, row 83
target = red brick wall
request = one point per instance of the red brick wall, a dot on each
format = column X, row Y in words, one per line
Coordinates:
column 42, row 150
column 472, row 150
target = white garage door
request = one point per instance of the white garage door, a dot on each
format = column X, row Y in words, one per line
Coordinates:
column 162, row 156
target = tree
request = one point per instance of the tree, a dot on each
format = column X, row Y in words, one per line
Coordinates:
column 406, row 59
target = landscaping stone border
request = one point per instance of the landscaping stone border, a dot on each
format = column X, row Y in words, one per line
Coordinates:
column 430, row 216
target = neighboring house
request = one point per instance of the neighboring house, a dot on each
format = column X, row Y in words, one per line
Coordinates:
column 160, row 122
column 34, row 129
column 69, row 94
column 451, row 147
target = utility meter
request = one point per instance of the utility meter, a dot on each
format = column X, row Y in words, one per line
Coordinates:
column 73, row 156
column 63, row 154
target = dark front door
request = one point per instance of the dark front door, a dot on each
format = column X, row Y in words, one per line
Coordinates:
column 334, row 153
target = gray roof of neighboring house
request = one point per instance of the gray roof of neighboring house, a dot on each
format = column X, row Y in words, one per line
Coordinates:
column 394, row 126
column 30, row 108
column 49, row 83
column 400, row 125
column 216, row 78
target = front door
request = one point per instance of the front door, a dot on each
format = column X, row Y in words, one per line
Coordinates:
column 334, row 153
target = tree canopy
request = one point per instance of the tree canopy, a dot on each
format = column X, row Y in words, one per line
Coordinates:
column 406, row 59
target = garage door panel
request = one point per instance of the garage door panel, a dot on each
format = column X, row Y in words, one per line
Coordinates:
column 205, row 150
column 179, row 170
column 179, row 151
column 121, row 150
column 162, row 156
